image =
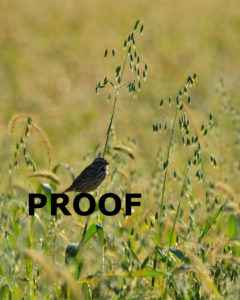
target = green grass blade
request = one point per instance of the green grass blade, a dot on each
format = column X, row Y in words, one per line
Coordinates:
column 146, row 260
column 100, row 232
column 209, row 224
column 90, row 232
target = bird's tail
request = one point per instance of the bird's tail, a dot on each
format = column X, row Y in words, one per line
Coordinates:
column 67, row 190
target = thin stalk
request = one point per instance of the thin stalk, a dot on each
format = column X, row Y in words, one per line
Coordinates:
column 103, row 259
column 84, row 233
column 178, row 208
column 176, row 216
column 106, row 143
column 114, row 106
column 154, row 267
column 110, row 124
column 166, row 171
column 29, row 264
column 101, row 222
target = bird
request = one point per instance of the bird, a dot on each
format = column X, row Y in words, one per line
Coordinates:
column 91, row 177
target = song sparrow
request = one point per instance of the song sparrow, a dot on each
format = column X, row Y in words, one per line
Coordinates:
column 91, row 177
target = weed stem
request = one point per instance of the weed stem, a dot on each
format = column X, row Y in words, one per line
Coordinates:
column 165, row 174
column 176, row 216
column 114, row 106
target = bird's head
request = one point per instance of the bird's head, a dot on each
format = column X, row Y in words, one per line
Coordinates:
column 100, row 161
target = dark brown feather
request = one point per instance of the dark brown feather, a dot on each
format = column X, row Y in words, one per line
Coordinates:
column 91, row 177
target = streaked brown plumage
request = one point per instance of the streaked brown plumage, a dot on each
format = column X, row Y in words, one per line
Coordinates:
column 91, row 177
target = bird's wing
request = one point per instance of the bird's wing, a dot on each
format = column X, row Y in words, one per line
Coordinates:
column 81, row 181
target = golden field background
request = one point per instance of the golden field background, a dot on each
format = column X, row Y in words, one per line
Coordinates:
column 51, row 58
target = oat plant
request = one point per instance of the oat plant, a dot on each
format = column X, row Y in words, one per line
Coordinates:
column 132, row 61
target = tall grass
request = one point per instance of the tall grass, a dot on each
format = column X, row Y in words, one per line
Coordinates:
column 182, row 243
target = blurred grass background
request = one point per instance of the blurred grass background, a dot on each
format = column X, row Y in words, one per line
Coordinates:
column 51, row 57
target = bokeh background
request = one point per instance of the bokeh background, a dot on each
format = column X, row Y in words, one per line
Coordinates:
column 51, row 57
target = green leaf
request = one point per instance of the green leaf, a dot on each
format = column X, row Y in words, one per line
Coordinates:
column 5, row 292
column 209, row 224
column 146, row 260
column 48, row 191
column 232, row 227
column 73, row 248
column 79, row 267
column 100, row 232
column 90, row 232
column 134, row 255
column 12, row 238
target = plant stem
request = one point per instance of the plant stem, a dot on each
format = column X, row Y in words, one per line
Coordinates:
column 114, row 106
column 154, row 266
column 176, row 216
column 178, row 208
column 110, row 124
column 165, row 174
column 106, row 143
column 84, row 233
